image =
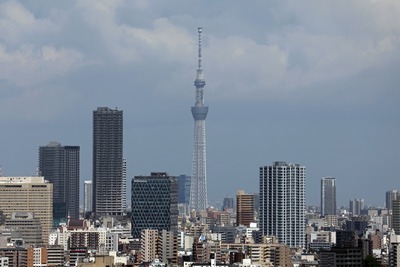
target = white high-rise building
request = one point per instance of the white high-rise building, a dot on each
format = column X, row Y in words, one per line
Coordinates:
column 282, row 202
column 328, row 196
column 88, row 196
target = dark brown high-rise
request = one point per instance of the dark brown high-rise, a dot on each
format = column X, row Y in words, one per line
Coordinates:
column 244, row 208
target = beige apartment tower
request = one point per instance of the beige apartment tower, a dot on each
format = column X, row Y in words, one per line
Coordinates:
column 28, row 194
column 149, row 245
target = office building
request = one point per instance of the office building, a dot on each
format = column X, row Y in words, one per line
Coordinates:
column 60, row 166
column 88, row 197
column 282, row 203
column 244, row 208
column 390, row 196
column 154, row 203
column 328, row 196
column 396, row 216
column 27, row 225
column 109, row 183
column 341, row 256
column 184, row 189
column 28, row 194
column 198, row 186
column 356, row 206
column 228, row 203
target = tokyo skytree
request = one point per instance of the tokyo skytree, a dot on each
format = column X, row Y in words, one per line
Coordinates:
column 198, row 186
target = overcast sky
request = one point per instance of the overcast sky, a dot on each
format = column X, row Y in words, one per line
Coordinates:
column 309, row 82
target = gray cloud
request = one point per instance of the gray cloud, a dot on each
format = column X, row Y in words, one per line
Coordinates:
column 313, row 76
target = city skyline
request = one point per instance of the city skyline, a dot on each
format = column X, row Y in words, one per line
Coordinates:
column 301, row 82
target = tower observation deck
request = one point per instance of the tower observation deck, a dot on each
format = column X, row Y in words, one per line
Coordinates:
column 198, row 186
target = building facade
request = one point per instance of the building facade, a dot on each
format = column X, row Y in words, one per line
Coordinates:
column 244, row 208
column 60, row 166
column 149, row 244
column 154, row 203
column 88, row 196
column 109, row 196
column 168, row 244
column 356, row 206
column 28, row 194
column 282, row 202
column 390, row 196
column 184, row 189
column 27, row 225
column 17, row 256
column 396, row 216
column 228, row 203
column 328, row 196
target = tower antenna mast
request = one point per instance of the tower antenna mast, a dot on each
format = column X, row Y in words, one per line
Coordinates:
column 198, row 186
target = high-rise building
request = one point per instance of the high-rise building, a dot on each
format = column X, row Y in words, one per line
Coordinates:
column 109, row 182
column 88, row 197
column 28, row 194
column 282, row 202
column 198, row 186
column 227, row 203
column 184, row 189
column 60, row 166
column 328, row 196
column 356, row 206
column 390, row 196
column 168, row 247
column 154, row 203
column 396, row 216
column 149, row 250
column 244, row 208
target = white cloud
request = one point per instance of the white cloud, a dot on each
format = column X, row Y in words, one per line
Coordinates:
column 29, row 65
column 305, row 43
column 127, row 43
column 318, row 42
column 239, row 67
column 17, row 23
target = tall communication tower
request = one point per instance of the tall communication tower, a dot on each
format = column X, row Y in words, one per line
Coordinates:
column 198, row 186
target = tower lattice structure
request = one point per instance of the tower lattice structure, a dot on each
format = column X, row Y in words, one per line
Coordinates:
column 198, row 188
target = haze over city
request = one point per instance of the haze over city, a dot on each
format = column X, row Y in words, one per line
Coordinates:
column 310, row 82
